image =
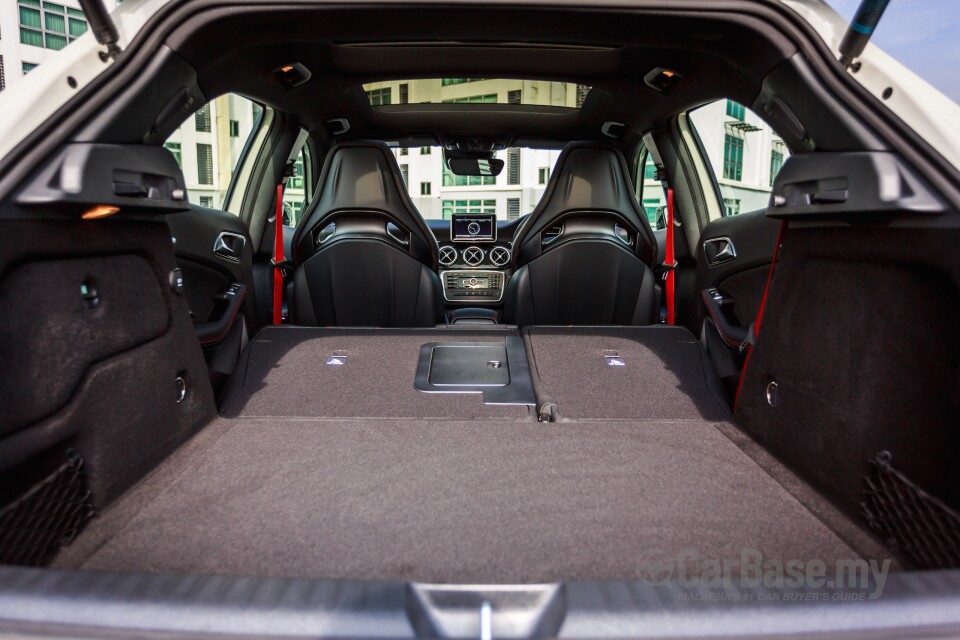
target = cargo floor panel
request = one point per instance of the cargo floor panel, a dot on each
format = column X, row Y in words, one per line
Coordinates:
column 624, row 373
column 348, row 373
column 452, row 501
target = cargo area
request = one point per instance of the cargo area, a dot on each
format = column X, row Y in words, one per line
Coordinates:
column 327, row 461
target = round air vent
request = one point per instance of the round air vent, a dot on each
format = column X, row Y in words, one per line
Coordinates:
column 500, row 256
column 473, row 256
column 448, row 256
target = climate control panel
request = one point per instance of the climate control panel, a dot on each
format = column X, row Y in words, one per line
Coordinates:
column 472, row 286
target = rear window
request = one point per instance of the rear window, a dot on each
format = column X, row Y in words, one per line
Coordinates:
column 438, row 193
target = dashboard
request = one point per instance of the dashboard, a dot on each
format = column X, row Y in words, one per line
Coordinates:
column 475, row 257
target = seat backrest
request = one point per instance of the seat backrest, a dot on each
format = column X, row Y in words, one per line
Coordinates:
column 583, row 256
column 364, row 255
column 591, row 181
column 360, row 178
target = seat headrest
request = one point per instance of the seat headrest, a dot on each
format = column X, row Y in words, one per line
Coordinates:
column 589, row 177
column 361, row 177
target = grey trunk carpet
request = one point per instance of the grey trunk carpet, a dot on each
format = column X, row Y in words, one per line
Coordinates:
column 452, row 501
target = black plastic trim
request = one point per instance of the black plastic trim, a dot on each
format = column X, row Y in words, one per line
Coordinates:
column 212, row 333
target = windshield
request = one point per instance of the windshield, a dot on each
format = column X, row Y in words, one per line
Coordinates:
column 438, row 193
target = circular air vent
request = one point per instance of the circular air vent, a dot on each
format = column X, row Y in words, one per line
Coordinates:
column 500, row 256
column 448, row 256
column 473, row 256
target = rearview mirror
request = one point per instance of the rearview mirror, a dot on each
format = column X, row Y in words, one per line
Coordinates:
column 475, row 166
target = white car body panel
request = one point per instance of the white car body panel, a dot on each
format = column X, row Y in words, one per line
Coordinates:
column 934, row 116
column 45, row 89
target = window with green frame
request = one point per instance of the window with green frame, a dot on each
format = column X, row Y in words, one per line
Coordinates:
column 31, row 30
column 450, row 179
column 731, row 206
column 489, row 98
column 379, row 97
column 451, row 207
column 201, row 119
column 54, row 41
column 54, row 22
column 736, row 110
column 446, row 82
column 48, row 24
column 776, row 163
column 732, row 157
column 77, row 27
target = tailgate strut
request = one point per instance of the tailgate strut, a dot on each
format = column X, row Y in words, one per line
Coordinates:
column 104, row 30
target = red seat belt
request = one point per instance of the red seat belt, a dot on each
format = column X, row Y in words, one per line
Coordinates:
column 763, row 305
column 669, row 261
column 278, row 260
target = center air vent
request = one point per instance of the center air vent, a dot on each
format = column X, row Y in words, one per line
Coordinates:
column 473, row 256
column 500, row 256
column 448, row 256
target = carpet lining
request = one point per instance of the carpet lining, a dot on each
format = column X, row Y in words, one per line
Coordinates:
column 453, row 501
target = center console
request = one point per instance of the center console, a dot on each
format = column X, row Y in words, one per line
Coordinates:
column 475, row 266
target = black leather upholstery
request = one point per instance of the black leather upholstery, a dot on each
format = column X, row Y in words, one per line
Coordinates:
column 376, row 268
column 589, row 178
column 583, row 256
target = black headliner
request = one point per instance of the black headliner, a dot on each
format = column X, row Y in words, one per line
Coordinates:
column 721, row 54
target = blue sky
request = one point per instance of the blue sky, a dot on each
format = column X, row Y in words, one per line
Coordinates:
column 922, row 34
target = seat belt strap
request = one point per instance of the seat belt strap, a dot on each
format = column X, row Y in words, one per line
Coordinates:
column 279, row 262
column 755, row 328
column 670, row 263
column 278, row 259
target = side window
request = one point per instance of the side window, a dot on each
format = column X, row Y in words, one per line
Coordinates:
column 208, row 146
column 650, row 191
column 743, row 152
column 299, row 189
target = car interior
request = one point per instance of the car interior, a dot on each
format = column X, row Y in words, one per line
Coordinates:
column 474, row 400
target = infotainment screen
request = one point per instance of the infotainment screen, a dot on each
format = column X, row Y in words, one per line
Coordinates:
column 473, row 227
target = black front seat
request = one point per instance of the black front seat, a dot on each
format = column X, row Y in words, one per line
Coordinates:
column 584, row 255
column 364, row 255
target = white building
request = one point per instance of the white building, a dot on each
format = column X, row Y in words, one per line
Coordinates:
column 743, row 150
column 208, row 145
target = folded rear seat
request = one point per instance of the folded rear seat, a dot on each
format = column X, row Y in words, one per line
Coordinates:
column 622, row 373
